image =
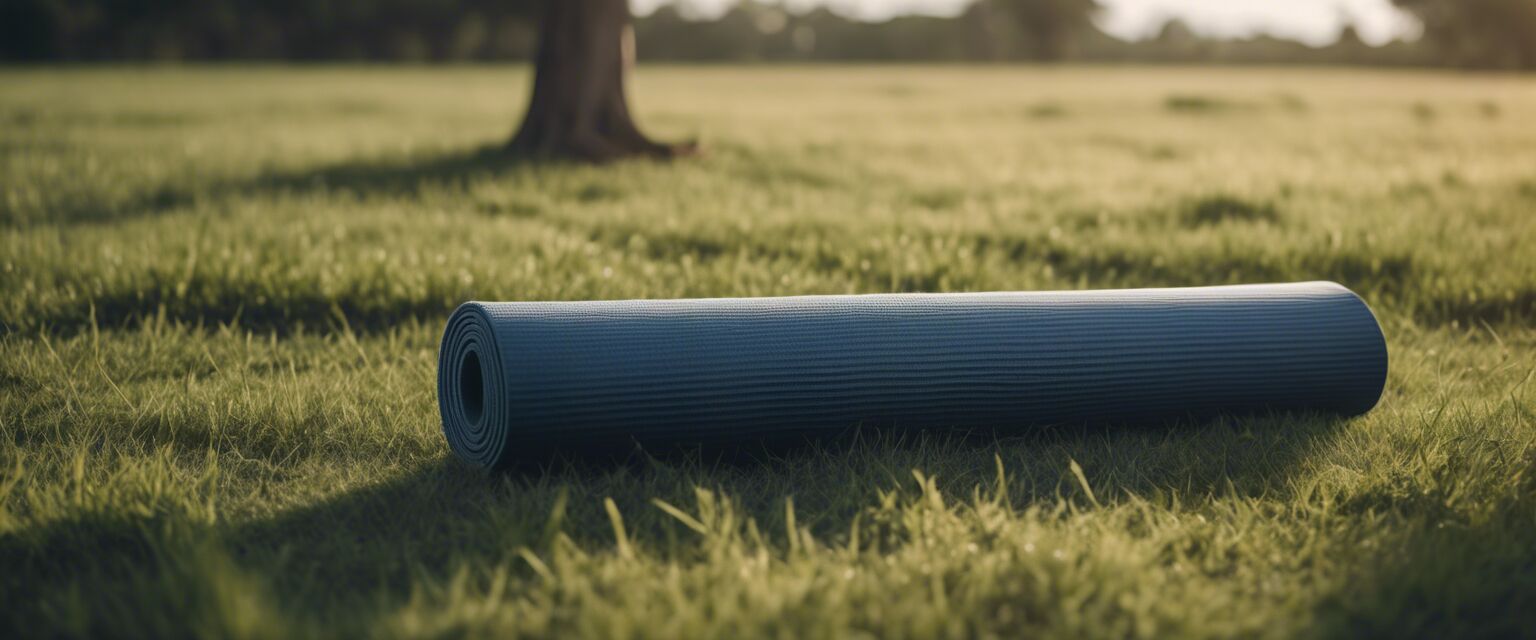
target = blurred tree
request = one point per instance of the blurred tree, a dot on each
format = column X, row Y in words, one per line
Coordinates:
column 579, row 108
column 1175, row 41
column 980, row 32
column 1051, row 26
column 1480, row 33
column 1470, row 32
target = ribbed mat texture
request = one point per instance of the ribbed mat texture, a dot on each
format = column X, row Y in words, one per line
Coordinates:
column 518, row 379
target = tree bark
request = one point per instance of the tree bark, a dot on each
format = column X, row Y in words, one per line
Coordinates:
column 579, row 109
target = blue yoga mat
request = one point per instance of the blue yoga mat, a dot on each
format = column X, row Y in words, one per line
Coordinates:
column 519, row 379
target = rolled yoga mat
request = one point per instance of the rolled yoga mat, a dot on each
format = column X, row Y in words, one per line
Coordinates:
column 518, row 379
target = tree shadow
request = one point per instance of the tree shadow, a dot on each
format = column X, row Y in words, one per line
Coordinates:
column 405, row 176
column 375, row 177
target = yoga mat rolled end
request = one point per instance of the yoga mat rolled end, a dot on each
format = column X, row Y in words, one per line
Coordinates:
column 470, row 379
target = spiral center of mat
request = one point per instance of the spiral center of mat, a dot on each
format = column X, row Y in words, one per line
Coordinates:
column 471, row 387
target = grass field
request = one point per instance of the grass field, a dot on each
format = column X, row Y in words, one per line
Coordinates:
column 221, row 291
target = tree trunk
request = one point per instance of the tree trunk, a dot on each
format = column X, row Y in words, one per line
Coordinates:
column 579, row 109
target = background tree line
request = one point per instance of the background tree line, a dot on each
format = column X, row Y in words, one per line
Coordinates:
column 1469, row 33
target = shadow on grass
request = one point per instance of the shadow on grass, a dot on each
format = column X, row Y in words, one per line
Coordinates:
column 1450, row 576
column 433, row 521
column 402, row 176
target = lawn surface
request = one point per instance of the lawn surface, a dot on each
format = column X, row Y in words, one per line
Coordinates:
column 221, row 291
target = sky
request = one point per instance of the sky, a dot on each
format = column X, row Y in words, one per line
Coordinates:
column 1312, row 21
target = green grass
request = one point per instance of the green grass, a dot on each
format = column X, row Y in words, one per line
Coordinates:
column 221, row 291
